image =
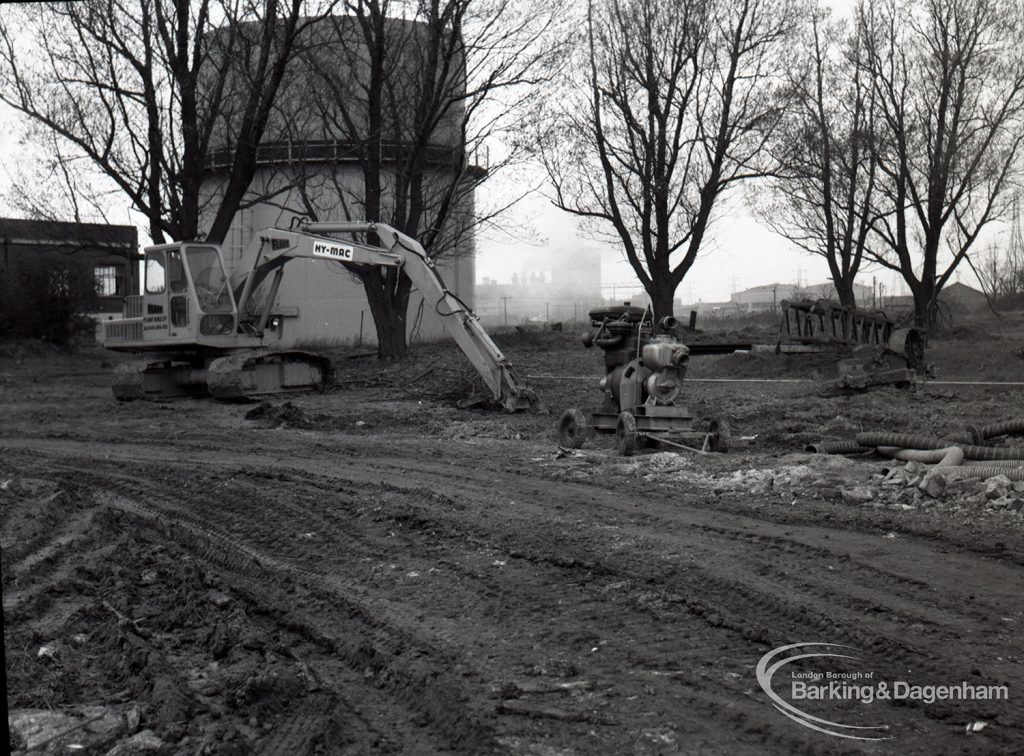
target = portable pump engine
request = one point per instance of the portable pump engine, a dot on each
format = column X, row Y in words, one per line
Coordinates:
column 642, row 364
column 645, row 364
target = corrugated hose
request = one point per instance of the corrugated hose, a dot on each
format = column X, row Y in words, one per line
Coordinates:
column 912, row 441
column 980, row 433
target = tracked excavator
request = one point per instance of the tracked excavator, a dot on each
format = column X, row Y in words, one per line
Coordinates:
column 207, row 329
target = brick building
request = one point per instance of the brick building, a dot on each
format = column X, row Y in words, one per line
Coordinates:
column 47, row 265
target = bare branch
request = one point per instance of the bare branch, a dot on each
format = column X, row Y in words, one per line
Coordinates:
column 677, row 107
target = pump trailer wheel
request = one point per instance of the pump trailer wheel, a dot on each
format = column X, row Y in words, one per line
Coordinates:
column 719, row 435
column 625, row 434
column 573, row 428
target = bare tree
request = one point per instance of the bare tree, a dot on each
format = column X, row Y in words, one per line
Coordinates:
column 139, row 87
column 673, row 107
column 948, row 78
column 56, row 184
column 419, row 96
column 1013, row 267
column 1001, row 270
column 821, row 198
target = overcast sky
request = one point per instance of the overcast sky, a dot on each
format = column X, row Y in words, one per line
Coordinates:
column 740, row 252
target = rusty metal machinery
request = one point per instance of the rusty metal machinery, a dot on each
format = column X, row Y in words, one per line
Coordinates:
column 899, row 361
column 824, row 321
column 645, row 364
column 880, row 352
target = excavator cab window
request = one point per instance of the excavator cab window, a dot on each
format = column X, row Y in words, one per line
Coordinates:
column 176, row 272
column 156, row 273
column 213, row 290
column 178, row 285
column 208, row 275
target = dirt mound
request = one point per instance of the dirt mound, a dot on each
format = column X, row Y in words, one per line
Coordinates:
column 437, row 372
column 269, row 415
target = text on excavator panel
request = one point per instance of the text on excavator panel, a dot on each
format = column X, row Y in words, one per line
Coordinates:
column 333, row 251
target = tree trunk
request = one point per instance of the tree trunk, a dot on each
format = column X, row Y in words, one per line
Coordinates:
column 844, row 290
column 926, row 305
column 662, row 299
column 387, row 294
column 391, row 343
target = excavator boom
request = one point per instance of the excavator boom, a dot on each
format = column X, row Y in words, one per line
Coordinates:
column 224, row 347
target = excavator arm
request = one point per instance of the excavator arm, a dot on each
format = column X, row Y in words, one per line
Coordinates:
column 274, row 247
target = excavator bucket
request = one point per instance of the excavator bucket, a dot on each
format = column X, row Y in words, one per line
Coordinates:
column 521, row 399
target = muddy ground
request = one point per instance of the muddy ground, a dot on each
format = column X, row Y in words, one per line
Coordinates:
column 375, row 570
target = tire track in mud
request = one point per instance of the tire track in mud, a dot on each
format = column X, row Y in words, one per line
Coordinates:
column 857, row 569
column 353, row 631
column 34, row 559
column 786, row 544
column 583, row 612
column 763, row 596
column 39, row 568
column 860, row 579
column 167, row 516
column 68, row 579
column 890, row 646
column 591, row 539
column 917, row 524
column 252, row 562
column 402, row 458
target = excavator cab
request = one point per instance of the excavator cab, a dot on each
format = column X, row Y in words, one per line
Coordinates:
column 187, row 293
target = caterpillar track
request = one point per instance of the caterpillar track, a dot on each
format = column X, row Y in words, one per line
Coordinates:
column 240, row 376
column 248, row 375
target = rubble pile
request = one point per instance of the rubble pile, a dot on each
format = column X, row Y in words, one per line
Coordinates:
column 889, row 484
column 917, row 485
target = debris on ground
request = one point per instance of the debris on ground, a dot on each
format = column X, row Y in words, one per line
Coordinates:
column 286, row 415
column 299, row 583
column 479, row 429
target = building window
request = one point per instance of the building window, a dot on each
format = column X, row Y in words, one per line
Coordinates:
column 109, row 280
column 59, row 280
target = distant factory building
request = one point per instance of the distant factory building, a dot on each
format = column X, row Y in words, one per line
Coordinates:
column 563, row 290
column 955, row 300
column 770, row 296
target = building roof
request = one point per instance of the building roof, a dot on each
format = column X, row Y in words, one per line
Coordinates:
column 958, row 289
column 823, row 286
column 766, row 287
column 23, row 231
